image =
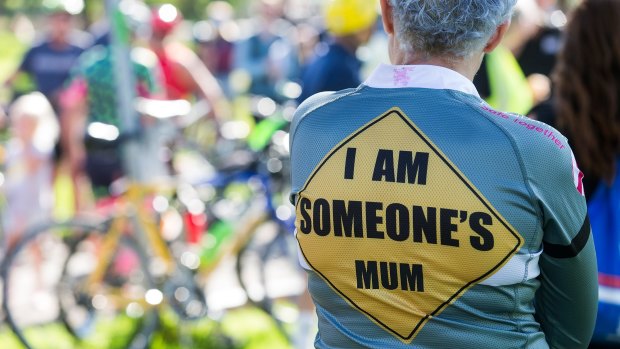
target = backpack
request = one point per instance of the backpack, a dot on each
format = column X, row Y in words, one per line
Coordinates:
column 604, row 212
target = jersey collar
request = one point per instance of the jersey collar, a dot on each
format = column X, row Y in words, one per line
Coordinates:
column 420, row 76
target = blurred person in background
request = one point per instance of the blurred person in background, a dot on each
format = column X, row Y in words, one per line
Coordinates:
column 214, row 51
column 538, row 53
column 185, row 75
column 539, row 41
column 350, row 24
column 268, row 56
column 585, row 106
column 50, row 59
column 90, row 121
column 28, row 189
column 393, row 181
column 214, row 39
column 309, row 39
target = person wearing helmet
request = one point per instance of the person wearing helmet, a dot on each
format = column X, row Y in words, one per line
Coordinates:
column 427, row 219
column 350, row 24
column 185, row 75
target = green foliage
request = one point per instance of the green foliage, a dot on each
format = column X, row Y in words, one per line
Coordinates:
column 245, row 328
column 190, row 334
column 192, row 9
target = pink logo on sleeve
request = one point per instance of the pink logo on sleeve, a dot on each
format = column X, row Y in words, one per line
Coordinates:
column 577, row 176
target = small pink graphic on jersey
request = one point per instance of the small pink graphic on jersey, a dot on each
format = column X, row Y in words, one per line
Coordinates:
column 401, row 76
column 529, row 124
column 577, row 176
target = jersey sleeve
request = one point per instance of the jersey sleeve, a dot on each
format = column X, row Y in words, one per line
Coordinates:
column 566, row 302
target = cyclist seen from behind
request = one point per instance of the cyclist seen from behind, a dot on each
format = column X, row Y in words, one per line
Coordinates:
column 426, row 218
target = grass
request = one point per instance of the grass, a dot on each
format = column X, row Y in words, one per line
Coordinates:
column 245, row 328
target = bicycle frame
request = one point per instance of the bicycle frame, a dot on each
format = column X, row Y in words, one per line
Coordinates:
column 131, row 206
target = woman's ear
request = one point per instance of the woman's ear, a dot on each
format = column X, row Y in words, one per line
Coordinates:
column 497, row 37
column 386, row 17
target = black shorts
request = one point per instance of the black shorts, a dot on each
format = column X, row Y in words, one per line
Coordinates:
column 103, row 163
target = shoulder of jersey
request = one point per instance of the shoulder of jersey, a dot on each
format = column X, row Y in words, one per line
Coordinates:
column 524, row 130
column 544, row 151
column 317, row 101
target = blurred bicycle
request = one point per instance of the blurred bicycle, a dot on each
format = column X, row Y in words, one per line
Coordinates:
column 116, row 273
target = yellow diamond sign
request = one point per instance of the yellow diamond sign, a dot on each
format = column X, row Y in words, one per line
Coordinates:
column 396, row 229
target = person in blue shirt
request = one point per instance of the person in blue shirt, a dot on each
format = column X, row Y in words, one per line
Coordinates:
column 350, row 24
column 49, row 61
column 268, row 57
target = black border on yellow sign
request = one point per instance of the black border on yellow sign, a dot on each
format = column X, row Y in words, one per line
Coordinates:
column 398, row 112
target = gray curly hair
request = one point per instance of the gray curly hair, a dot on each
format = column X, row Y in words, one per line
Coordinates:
column 457, row 28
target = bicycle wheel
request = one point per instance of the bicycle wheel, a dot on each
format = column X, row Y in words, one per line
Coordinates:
column 119, row 309
column 268, row 270
column 31, row 272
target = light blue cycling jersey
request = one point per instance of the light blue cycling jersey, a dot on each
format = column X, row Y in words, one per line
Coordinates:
column 426, row 219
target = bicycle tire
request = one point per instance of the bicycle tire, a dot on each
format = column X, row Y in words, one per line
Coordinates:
column 89, row 311
column 25, row 314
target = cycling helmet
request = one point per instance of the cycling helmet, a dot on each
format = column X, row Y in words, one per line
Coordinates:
column 343, row 17
column 165, row 18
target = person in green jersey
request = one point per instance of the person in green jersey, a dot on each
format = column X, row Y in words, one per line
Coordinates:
column 89, row 101
column 428, row 219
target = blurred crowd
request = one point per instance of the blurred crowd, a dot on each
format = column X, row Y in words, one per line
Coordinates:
column 286, row 50
column 282, row 49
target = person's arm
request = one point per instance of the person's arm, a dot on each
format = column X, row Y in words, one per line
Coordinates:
column 566, row 302
column 74, row 111
column 202, row 81
column 24, row 67
column 11, row 79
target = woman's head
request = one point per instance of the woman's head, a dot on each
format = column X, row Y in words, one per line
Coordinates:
column 587, row 81
column 447, row 28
